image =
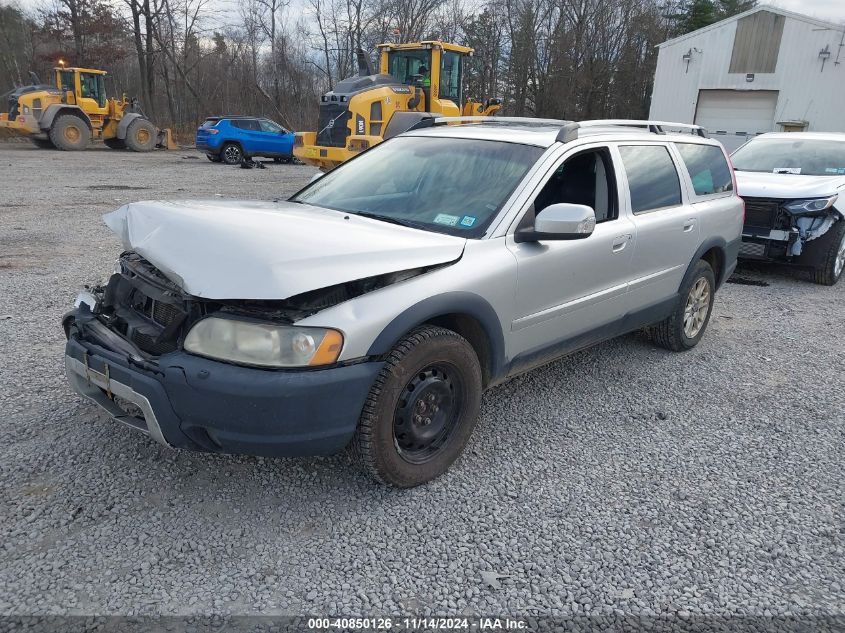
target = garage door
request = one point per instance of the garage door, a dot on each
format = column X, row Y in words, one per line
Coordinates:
column 732, row 116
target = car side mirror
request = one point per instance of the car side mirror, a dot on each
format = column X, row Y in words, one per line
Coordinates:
column 562, row 221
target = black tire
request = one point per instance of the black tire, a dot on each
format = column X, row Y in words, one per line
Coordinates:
column 43, row 143
column 674, row 332
column 231, row 153
column 141, row 136
column 115, row 143
column 70, row 133
column 421, row 410
column 832, row 263
column 213, row 158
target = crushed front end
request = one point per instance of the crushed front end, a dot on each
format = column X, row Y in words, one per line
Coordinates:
column 125, row 352
column 778, row 229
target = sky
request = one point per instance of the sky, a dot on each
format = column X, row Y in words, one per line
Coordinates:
column 830, row 10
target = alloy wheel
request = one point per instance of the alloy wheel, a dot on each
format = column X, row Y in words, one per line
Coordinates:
column 696, row 308
column 232, row 154
column 839, row 264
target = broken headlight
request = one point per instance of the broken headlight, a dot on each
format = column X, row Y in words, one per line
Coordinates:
column 263, row 344
column 814, row 205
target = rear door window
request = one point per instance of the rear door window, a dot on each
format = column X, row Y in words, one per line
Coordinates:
column 707, row 168
column 247, row 124
column 652, row 179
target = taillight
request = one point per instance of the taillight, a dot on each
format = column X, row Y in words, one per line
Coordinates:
column 213, row 131
column 733, row 180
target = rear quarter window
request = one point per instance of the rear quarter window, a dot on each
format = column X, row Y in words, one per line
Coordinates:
column 652, row 179
column 210, row 122
column 707, row 167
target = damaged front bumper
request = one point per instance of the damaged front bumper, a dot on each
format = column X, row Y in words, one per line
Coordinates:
column 189, row 402
column 772, row 233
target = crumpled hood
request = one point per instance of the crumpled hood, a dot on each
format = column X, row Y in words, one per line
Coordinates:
column 227, row 249
column 765, row 185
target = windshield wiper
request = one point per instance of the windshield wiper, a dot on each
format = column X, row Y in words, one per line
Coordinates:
column 387, row 218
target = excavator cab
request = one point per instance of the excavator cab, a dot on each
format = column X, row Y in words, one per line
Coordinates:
column 423, row 78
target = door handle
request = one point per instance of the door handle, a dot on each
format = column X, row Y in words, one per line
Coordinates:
column 619, row 242
column 689, row 225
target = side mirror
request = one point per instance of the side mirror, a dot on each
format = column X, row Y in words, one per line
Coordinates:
column 561, row 221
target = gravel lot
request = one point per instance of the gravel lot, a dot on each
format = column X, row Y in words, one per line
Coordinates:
column 622, row 479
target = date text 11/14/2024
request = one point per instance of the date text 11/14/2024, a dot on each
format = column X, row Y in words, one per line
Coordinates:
column 417, row 624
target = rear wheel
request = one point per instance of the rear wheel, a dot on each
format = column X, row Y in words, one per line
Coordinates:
column 141, row 136
column 70, row 133
column 231, row 153
column 421, row 409
column 683, row 329
column 43, row 143
column 833, row 261
column 115, row 143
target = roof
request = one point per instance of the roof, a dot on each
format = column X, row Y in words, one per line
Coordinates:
column 426, row 44
column 546, row 132
column 797, row 136
column 757, row 9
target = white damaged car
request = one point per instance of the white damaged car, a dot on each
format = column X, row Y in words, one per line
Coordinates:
column 793, row 185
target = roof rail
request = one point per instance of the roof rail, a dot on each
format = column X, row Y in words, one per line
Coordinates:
column 655, row 127
column 568, row 130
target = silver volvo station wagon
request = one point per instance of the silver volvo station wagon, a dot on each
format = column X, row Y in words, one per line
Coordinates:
column 374, row 306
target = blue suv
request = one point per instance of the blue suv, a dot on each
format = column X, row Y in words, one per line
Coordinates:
column 228, row 139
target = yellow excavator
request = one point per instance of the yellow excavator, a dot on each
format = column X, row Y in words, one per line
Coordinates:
column 75, row 111
column 414, row 81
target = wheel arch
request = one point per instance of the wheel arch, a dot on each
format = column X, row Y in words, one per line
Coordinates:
column 125, row 122
column 714, row 252
column 56, row 109
column 465, row 313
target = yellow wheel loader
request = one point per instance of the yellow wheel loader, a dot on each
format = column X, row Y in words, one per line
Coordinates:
column 75, row 111
column 415, row 81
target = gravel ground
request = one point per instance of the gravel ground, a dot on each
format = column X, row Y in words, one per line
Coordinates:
column 624, row 479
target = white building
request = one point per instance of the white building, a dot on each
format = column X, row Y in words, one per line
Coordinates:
column 765, row 70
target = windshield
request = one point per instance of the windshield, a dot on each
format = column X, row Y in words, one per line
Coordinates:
column 785, row 156
column 447, row 185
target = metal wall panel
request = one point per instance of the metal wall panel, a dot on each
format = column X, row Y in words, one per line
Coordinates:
column 757, row 43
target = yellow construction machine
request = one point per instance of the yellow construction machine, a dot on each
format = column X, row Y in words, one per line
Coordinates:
column 75, row 111
column 415, row 81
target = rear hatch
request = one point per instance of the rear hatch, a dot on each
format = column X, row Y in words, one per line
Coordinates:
column 204, row 131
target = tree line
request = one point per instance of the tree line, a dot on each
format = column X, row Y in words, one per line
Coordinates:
column 187, row 59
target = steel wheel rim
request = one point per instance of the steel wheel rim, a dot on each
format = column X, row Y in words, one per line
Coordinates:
column 72, row 133
column 697, row 307
column 232, row 153
column 427, row 413
column 839, row 264
column 143, row 136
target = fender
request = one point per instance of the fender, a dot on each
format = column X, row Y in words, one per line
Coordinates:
column 728, row 253
column 123, row 125
column 54, row 109
column 441, row 305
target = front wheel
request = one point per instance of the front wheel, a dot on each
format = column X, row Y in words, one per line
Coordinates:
column 683, row 329
column 141, row 136
column 421, row 409
column 833, row 262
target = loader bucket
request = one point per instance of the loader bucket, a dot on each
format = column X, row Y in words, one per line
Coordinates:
column 166, row 139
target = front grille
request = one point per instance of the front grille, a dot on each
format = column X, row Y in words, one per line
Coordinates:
column 763, row 213
column 333, row 125
column 165, row 313
column 752, row 249
column 148, row 344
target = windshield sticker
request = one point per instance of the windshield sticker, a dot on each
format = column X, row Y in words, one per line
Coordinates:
column 786, row 170
column 467, row 220
column 834, row 170
column 448, row 220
